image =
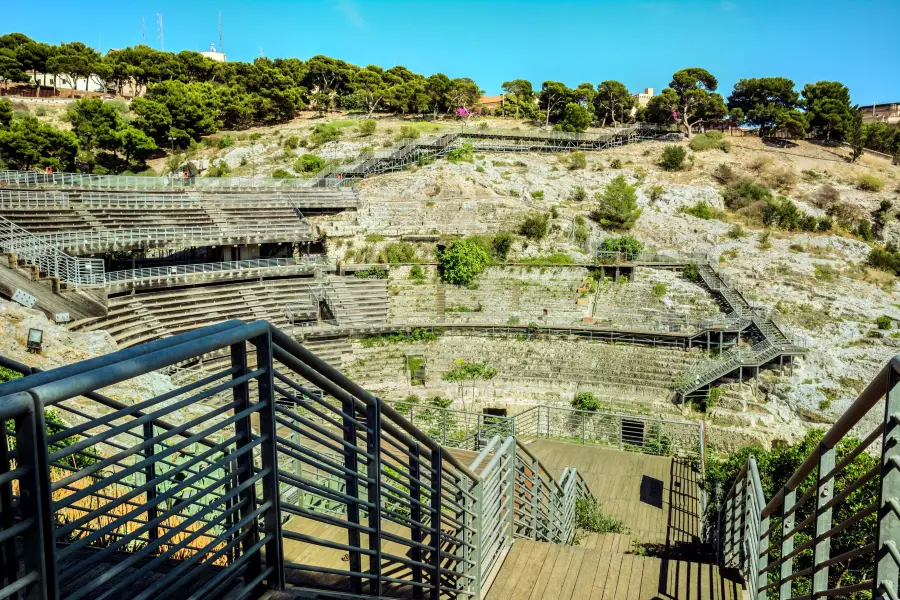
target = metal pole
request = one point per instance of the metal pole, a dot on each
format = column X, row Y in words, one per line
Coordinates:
column 886, row 569
column 415, row 515
column 787, row 544
column 436, row 487
column 150, row 475
column 373, row 471
column 824, row 493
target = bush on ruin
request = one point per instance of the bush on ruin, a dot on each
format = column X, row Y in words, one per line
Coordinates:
column 292, row 142
column 368, row 127
column 586, row 401
column 534, row 226
column 574, row 160
column 672, row 158
column 324, row 133
column 501, row 244
column 886, row 258
column 617, row 206
column 309, row 163
column 743, row 193
column 577, row 194
column 625, row 243
column 462, row 261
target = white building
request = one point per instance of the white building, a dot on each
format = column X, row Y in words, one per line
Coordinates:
column 213, row 55
column 643, row 97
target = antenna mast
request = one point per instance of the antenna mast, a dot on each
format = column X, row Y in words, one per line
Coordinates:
column 159, row 24
column 261, row 55
column 143, row 31
column 221, row 46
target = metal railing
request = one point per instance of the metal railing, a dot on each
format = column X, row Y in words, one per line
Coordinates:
column 186, row 235
column 218, row 483
column 30, row 200
column 173, row 183
column 647, row 435
column 787, row 547
column 49, row 258
column 177, row 272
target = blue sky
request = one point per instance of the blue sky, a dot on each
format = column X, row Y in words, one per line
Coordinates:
column 638, row 43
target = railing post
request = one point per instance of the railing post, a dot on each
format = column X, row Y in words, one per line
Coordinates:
column 444, row 427
column 351, row 484
column 822, row 548
column 787, row 544
column 373, row 447
column 436, row 487
column 150, row 475
column 582, row 428
column 265, row 385
column 762, row 542
column 243, row 429
column 887, row 571
column 35, row 502
column 477, row 525
column 415, row 516
column 511, row 490
column 535, row 497
column 728, row 542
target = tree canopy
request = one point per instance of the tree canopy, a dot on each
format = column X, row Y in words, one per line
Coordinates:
column 828, row 109
column 769, row 103
column 690, row 100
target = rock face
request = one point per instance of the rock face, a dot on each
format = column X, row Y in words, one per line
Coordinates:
column 61, row 347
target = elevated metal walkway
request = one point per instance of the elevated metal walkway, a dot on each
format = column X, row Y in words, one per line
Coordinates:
column 486, row 140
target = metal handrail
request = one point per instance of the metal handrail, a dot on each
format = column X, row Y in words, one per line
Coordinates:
column 49, row 258
column 183, row 271
column 172, row 183
column 765, row 552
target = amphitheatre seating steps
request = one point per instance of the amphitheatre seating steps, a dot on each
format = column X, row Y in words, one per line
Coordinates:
column 183, row 309
column 358, row 301
column 615, row 301
column 119, row 218
column 503, row 294
column 451, row 216
column 48, row 219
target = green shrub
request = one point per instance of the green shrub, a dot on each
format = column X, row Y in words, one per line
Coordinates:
column 368, row 127
column 324, row 133
column 537, row 195
column 724, row 174
column 462, row 261
column 885, row 258
column 691, row 272
column 737, row 232
column 824, row 272
column 417, row 273
column 617, row 205
column 709, row 141
column 218, row 169
column 577, row 194
column 625, row 243
column 672, row 158
column 309, row 163
column 656, row 193
column 397, row 252
column 407, row 132
column 466, row 371
column 863, row 231
column 869, row 183
column 292, row 142
column 282, row 174
column 589, row 517
column 501, row 244
column 557, row 258
column 615, row 163
column 743, row 193
column 586, row 401
column 253, row 137
column 574, row 160
column 659, row 290
column 534, row 226
column 765, row 240
column 702, row 210
column 883, row 322
column 374, row 273
column 462, row 154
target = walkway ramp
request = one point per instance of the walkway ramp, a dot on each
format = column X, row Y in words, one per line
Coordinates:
column 656, row 497
column 538, row 570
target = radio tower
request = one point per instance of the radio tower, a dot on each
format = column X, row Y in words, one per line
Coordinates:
column 143, row 31
column 159, row 24
column 221, row 46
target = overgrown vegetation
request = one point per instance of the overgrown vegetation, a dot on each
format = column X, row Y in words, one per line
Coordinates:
column 617, row 206
column 590, row 518
column 625, row 244
column 535, row 226
column 586, row 401
column 416, row 335
column 462, row 261
column 709, row 141
column 775, row 468
column 672, row 158
column 467, row 371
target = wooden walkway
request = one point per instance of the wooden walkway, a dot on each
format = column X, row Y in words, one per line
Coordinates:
column 542, row 571
column 656, row 497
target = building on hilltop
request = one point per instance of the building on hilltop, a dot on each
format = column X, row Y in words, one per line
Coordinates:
column 492, row 102
column 643, row 98
column 888, row 112
column 213, row 55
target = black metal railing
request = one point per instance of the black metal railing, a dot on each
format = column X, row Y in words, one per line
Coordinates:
column 275, row 471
